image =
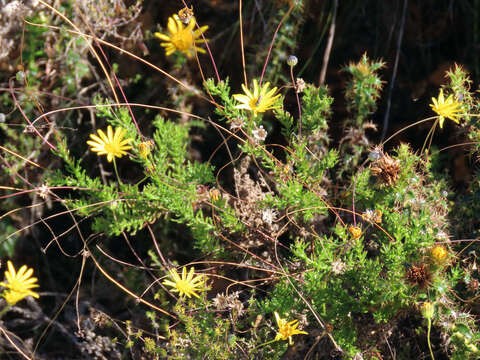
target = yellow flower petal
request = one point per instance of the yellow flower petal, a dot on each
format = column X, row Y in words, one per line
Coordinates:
column 172, row 25
column 241, row 98
column 162, row 36
column 199, row 32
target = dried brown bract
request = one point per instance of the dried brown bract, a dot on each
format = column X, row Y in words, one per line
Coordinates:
column 386, row 170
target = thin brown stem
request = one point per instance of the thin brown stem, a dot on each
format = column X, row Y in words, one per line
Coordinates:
column 328, row 49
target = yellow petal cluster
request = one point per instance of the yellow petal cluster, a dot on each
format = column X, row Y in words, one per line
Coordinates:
column 18, row 285
column 258, row 101
column 439, row 253
column 286, row 329
column 182, row 38
column 355, row 231
column 188, row 284
column 111, row 144
column 447, row 108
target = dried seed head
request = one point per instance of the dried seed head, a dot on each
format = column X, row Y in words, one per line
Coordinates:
column 386, row 170
column 419, row 275
column 259, row 134
column 43, row 191
column 373, row 216
column 186, row 14
column 473, row 285
column 269, row 216
column 300, row 85
column 236, row 123
column 99, row 318
column 338, row 267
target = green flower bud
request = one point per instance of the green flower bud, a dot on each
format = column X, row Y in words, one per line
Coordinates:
column 428, row 310
column 292, row 60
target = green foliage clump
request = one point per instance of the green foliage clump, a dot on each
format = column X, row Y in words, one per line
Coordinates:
column 168, row 189
column 363, row 91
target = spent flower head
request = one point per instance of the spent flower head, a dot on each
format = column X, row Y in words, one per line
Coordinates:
column 355, row 231
column 182, row 38
column 446, row 108
column 259, row 134
column 18, row 285
column 186, row 14
column 260, row 100
column 215, row 194
column 187, row 284
column 112, row 144
column 373, row 216
column 286, row 329
column 145, row 148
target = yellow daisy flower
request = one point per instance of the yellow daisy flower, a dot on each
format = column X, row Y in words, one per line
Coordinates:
column 182, row 38
column 260, row 100
column 18, row 284
column 111, row 144
column 446, row 108
column 187, row 284
column 287, row 330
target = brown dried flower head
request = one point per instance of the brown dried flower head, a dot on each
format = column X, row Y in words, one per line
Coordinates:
column 419, row 275
column 373, row 216
column 185, row 14
column 300, row 85
column 386, row 170
column 473, row 285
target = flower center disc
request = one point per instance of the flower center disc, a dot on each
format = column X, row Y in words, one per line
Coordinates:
column 183, row 40
column 111, row 148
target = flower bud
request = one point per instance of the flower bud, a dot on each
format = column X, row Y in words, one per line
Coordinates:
column 292, row 60
column 428, row 310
